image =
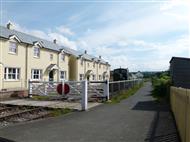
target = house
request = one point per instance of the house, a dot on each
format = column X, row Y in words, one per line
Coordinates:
column 139, row 75
column 180, row 72
column 25, row 57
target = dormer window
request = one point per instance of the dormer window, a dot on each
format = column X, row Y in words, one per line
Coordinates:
column 81, row 61
column 36, row 52
column 63, row 57
column 12, row 47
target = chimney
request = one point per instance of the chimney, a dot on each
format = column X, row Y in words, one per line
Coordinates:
column 100, row 57
column 85, row 52
column 55, row 41
column 10, row 26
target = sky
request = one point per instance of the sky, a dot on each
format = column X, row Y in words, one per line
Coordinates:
column 140, row 35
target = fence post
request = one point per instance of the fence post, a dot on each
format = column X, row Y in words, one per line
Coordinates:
column 29, row 88
column 63, row 85
column 84, row 95
column 106, row 89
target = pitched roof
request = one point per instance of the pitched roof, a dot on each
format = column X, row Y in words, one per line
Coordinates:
column 29, row 39
column 179, row 58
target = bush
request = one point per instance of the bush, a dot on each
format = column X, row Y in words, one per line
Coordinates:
column 161, row 86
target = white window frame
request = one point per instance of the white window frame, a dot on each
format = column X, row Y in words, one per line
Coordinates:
column 63, row 76
column 63, row 56
column 11, row 49
column 81, row 61
column 51, row 57
column 16, row 73
column 36, row 55
column 100, row 77
column 81, row 77
column 40, row 74
column 93, row 77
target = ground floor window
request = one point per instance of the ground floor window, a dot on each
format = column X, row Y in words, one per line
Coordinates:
column 11, row 73
column 100, row 77
column 93, row 77
column 81, row 76
column 36, row 74
column 62, row 75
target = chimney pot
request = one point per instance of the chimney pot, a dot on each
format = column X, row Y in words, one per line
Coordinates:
column 55, row 41
column 100, row 57
column 10, row 26
column 85, row 52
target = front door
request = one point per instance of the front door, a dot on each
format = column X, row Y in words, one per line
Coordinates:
column 51, row 76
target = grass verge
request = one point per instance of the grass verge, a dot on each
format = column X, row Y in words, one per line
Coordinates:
column 125, row 94
column 60, row 111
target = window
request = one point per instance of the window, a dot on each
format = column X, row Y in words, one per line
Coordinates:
column 93, row 77
column 12, row 73
column 63, row 57
column 94, row 64
column 36, row 52
column 81, row 61
column 62, row 75
column 36, row 74
column 88, row 65
column 12, row 47
column 100, row 77
column 51, row 57
column 81, row 77
column 99, row 65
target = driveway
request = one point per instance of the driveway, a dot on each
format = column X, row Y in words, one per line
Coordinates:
column 136, row 119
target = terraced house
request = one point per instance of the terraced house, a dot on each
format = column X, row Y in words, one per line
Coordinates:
column 24, row 57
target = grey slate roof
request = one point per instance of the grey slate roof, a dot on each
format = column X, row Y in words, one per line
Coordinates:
column 29, row 39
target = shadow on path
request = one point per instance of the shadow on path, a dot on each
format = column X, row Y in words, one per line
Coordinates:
column 5, row 140
column 163, row 127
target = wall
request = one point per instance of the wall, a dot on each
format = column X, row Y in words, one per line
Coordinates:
column 13, row 60
column 180, row 104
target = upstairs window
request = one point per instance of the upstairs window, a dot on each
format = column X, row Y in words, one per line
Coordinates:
column 63, row 57
column 94, row 64
column 12, row 47
column 51, row 57
column 88, row 65
column 99, row 65
column 81, row 61
column 36, row 52
column 12, row 73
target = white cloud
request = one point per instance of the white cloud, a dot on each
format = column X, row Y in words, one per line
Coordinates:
column 61, row 39
column 65, row 30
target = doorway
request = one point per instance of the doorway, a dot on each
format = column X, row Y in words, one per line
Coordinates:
column 51, row 76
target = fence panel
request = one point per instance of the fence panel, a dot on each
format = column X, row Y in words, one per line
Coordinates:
column 180, row 105
column 188, row 117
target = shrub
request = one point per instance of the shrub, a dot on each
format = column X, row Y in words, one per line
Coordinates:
column 161, row 86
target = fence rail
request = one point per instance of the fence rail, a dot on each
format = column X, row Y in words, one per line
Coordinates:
column 180, row 104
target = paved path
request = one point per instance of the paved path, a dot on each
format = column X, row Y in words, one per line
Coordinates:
column 137, row 119
column 50, row 104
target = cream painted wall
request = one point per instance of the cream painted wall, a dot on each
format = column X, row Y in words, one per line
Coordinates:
column 14, row 60
column 64, row 65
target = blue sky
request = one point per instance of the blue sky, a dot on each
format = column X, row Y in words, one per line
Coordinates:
column 140, row 35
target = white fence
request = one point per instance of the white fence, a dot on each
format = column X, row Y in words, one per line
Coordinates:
column 82, row 91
